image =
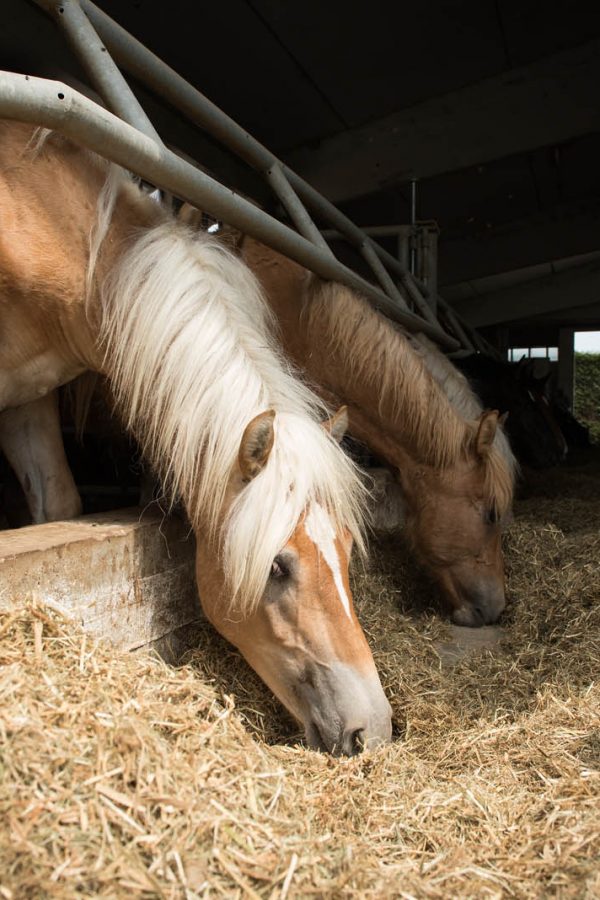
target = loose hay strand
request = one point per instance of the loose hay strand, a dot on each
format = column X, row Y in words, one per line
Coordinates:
column 121, row 775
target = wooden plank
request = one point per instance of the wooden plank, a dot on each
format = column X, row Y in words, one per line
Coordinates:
column 125, row 575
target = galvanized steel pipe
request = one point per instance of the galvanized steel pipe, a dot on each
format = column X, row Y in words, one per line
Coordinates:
column 54, row 105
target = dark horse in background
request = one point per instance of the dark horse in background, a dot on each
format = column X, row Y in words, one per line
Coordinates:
column 536, row 376
column 532, row 425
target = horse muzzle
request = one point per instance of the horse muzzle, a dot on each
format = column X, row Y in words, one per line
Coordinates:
column 344, row 712
column 482, row 606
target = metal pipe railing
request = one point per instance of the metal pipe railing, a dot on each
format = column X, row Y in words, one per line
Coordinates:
column 466, row 334
column 155, row 74
column 456, row 326
column 382, row 274
column 54, row 105
column 295, row 208
column 92, row 54
column 287, row 185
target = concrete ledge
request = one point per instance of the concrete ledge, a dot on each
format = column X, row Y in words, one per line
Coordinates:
column 126, row 576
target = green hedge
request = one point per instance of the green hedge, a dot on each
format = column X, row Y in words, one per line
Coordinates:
column 587, row 392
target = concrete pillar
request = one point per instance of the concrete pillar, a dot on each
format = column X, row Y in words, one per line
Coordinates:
column 566, row 363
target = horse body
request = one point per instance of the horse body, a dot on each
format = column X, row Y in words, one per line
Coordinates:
column 181, row 332
column 44, row 252
column 456, row 474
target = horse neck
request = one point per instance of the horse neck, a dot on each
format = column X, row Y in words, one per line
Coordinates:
column 391, row 386
column 330, row 332
column 454, row 384
column 379, row 441
column 284, row 284
column 123, row 213
column 192, row 360
column 47, row 175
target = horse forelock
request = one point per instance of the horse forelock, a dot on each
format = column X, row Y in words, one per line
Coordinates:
column 499, row 482
column 189, row 349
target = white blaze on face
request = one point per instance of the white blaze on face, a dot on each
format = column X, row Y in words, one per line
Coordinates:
column 321, row 532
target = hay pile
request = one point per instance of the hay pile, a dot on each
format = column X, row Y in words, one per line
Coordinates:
column 121, row 776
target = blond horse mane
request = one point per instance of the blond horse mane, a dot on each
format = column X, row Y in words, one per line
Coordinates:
column 189, row 349
column 380, row 355
column 190, row 353
column 456, row 387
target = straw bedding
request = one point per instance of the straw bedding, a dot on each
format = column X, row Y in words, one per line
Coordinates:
column 122, row 776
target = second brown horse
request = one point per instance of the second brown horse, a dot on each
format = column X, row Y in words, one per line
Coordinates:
column 456, row 473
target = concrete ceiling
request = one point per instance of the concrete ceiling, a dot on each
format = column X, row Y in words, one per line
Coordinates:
column 492, row 104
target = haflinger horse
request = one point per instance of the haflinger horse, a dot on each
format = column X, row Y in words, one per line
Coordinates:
column 95, row 275
column 453, row 462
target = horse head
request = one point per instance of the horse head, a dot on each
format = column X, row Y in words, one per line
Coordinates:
column 454, row 517
column 302, row 635
column 532, row 377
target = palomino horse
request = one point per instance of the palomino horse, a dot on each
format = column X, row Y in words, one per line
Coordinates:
column 96, row 276
column 456, row 474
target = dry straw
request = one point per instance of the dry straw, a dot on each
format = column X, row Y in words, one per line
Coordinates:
column 121, row 776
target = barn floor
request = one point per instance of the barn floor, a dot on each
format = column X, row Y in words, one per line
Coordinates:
column 120, row 775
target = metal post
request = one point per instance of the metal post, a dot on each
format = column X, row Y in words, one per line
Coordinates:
column 419, row 301
column 413, row 224
column 566, row 363
column 456, row 326
column 403, row 250
column 429, row 242
column 96, row 60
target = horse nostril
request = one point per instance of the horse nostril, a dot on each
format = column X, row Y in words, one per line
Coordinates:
column 359, row 740
column 469, row 616
column 354, row 742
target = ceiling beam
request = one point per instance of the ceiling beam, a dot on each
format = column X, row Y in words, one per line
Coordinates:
column 557, row 234
column 557, row 293
column 547, row 102
column 588, row 316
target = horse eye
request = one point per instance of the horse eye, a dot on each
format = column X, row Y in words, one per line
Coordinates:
column 278, row 568
column 491, row 516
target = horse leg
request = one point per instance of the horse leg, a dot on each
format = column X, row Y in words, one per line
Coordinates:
column 30, row 438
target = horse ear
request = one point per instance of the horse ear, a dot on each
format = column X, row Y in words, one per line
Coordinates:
column 256, row 444
column 337, row 424
column 486, row 432
column 190, row 215
column 502, row 419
